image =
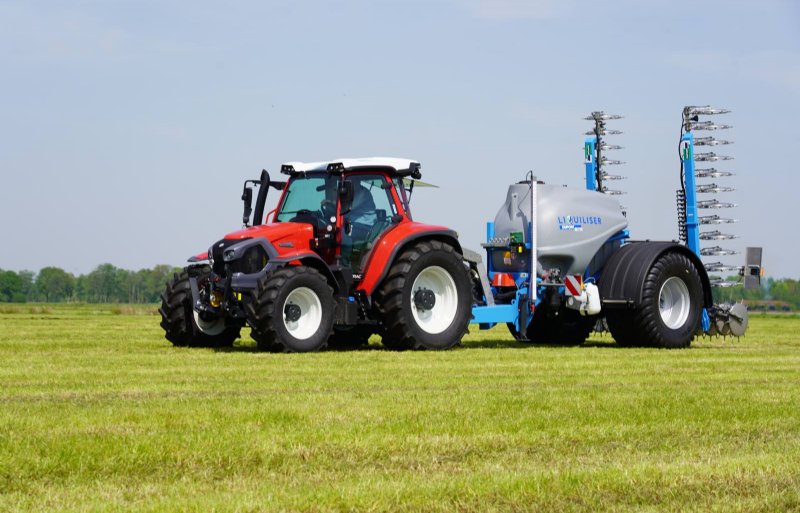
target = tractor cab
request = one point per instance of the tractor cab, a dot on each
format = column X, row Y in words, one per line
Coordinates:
column 349, row 204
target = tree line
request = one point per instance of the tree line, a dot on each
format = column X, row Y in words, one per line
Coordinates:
column 109, row 284
column 105, row 284
column 783, row 292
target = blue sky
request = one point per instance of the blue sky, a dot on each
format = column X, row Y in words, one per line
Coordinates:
column 128, row 126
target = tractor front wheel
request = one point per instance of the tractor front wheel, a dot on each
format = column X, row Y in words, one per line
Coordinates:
column 425, row 300
column 292, row 310
column 183, row 325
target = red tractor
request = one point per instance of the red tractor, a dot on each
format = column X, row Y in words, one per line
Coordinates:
column 338, row 260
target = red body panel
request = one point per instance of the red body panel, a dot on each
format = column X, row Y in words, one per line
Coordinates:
column 289, row 239
column 382, row 252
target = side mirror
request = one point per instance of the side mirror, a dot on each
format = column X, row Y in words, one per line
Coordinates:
column 247, row 198
column 346, row 195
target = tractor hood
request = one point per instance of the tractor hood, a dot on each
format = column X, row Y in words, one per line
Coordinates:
column 284, row 237
column 298, row 233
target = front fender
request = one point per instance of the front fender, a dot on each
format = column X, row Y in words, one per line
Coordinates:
column 241, row 282
column 200, row 257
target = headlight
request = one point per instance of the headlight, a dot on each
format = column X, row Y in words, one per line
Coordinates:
column 252, row 261
column 228, row 255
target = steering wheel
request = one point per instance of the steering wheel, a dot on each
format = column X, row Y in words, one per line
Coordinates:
column 305, row 215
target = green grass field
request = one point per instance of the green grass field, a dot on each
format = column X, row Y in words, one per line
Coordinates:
column 99, row 413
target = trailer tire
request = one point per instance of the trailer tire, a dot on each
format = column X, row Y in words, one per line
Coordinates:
column 183, row 326
column 569, row 328
column 291, row 310
column 428, row 273
column 669, row 313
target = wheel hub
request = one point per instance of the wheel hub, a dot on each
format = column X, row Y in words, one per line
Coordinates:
column 424, row 299
column 292, row 312
column 302, row 313
column 674, row 302
column 209, row 325
column 434, row 300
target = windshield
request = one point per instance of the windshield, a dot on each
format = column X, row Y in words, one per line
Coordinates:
column 314, row 194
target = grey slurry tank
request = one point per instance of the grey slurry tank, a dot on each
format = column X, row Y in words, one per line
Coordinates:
column 572, row 225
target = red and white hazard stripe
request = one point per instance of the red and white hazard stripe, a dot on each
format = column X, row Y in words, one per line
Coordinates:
column 573, row 285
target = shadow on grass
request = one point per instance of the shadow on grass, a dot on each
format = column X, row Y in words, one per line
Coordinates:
column 493, row 343
column 467, row 346
column 253, row 348
column 513, row 344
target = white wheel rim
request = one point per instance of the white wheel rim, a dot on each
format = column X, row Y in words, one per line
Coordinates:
column 210, row 328
column 441, row 316
column 674, row 302
column 310, row 313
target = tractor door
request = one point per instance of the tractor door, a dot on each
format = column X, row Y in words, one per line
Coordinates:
column 369, row 216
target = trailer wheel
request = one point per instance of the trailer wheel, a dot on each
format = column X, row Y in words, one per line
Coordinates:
column 570, row 328
column 425, row 300
column 670, row 310
column 183, row 326
column 291, row 310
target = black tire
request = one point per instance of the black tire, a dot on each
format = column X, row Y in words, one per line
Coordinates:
column 179, row 321
column 350, row 338
column 568, row 328
column 571, row 328
column 512, row 328
column 620, row 325
column 645, row 325
column 398, row 311
column 270, row 317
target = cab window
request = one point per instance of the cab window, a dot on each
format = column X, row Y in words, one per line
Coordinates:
column 314, row 195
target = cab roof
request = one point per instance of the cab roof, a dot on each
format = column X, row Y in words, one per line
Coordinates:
column 395, row 166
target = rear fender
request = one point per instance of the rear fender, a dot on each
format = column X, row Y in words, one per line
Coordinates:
column 393, row 243
column 624, row 272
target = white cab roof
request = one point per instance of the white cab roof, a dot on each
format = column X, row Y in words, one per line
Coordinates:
column 398, row 164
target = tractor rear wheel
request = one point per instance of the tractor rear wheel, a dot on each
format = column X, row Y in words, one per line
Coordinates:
column 291, row 310
column 425, row 301
column 670, row 312
column 183, row 325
